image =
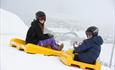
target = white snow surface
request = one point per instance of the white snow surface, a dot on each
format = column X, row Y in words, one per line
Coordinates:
column 12, row 59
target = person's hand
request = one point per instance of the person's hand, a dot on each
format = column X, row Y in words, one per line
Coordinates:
column 50, row 35
column 75, row 52
column 75, row 44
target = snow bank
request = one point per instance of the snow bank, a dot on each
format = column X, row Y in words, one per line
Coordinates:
column 11, row 24
column 12, row 59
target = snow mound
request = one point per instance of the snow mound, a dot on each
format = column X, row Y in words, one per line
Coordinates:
column 11, row 23
column 12, row 59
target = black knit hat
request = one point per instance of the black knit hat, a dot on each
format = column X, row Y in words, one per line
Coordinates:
column 40, row 14
column 93, row 29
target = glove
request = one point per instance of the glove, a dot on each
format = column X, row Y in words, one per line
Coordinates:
column 50, row 35
column 75, row 44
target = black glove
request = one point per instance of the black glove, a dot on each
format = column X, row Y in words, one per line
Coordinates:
column 73, row 51
column 50, row 35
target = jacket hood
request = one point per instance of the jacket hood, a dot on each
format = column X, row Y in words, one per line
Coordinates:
column 34, row 22
column 98, row 40
column 37, row 25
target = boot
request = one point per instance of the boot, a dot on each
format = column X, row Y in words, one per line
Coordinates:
column 60, row 47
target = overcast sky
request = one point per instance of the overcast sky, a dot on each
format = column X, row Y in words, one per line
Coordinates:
column 87, row 12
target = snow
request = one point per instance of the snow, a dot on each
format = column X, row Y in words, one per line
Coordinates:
column 12, row 59
column 11, row 25
column 81, row 34
column 106, row 48
column 59, row 30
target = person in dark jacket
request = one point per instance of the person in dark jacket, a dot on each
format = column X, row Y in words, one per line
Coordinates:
column 89, row 50
column 35, row 34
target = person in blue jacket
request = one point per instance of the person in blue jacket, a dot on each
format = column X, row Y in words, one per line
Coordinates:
column 89, row 50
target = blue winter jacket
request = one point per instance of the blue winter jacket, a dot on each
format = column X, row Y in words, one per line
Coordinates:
column 89, row 50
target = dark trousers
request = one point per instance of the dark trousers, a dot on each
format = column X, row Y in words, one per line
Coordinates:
column 76, row 58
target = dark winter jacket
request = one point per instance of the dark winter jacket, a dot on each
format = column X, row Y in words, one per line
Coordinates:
column 89, row 50
column 35, row 33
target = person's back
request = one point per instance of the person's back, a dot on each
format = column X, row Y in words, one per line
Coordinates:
column 90, row 49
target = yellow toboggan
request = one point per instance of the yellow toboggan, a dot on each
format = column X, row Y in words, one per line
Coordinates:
column 65, row 56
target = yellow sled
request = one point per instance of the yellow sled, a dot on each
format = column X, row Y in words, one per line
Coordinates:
column 67, row 59
column 65, row 56
column 18, row 43
column 31, row 48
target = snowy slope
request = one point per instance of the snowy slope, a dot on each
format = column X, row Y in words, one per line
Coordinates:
column 12, row 59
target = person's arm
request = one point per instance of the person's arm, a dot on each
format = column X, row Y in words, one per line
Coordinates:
column 42, row 36
column 83, row 47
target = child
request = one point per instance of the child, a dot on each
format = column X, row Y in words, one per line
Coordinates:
column 36, row 34
column 89, row 50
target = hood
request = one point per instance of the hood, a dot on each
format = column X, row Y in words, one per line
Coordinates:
column 34, row 23
column 98, row 40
